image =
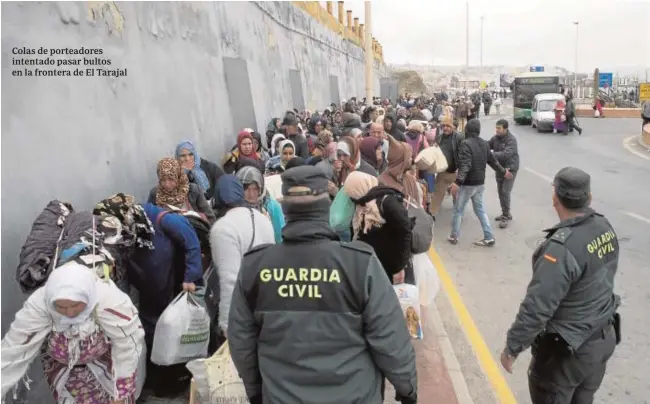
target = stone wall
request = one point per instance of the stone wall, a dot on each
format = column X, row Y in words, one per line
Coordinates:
column 198, row 71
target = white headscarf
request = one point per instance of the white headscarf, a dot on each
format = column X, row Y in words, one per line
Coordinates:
column 71, row 281
column 274, row 141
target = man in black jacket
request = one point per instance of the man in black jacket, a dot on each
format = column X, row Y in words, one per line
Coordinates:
column 292, row 132
column 449, row 142
column 473, row 157
column 504, row 149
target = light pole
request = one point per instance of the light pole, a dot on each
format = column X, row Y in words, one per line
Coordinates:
column 482, row 18
column 369, row 60
column 467, row 33
column 575, row 70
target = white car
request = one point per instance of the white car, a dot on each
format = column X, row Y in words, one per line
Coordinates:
column 542, row 113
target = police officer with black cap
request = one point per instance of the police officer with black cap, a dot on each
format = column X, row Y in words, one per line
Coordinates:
column 315, row 320
column 568, row 315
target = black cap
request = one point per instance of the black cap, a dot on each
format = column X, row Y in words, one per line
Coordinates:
column 295, row 162
column 304, row 180
column 572, row 187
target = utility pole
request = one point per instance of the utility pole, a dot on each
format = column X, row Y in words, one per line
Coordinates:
column 482, row 18
column 369, row 53
column 467, row 33
column 575, row 70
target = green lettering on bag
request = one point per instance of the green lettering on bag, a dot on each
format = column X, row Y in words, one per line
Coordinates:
column 195, row 338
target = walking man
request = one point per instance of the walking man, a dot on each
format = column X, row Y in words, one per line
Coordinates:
column 568, row 316
column 449, row 142
column 504, row 148
column 474, row 156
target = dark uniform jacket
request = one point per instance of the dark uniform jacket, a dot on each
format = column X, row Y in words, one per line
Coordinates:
column 572, row 289
column 315, row 320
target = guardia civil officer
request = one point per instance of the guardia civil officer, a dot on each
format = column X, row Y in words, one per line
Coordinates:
column 569, row 312
column 315, row 320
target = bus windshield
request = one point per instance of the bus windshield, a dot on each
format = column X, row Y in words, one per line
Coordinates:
column 525, row 89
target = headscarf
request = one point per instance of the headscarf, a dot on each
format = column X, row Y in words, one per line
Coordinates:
column 257, row 137
column 274, row 140
column 170, row 168
column 284, row 144
column 399, row 161
column 356, row 186
column 137, row 227
column 368, row 147
column 200, row 175
column 250, row 175
column 75, row 282
column 350, row 147
column 325, row 137
column 240, row 138
column 230, row 192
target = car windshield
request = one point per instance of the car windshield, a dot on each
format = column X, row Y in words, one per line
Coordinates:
column 546, row 105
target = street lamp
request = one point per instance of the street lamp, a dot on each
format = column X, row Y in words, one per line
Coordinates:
column 482, row 17
column 575, row 70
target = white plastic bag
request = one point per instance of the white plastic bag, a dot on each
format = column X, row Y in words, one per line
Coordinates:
column 141, row 374
column 426, row 278
column 216, row 378
column 410, row 302
column 182, row 332
column 596, row 113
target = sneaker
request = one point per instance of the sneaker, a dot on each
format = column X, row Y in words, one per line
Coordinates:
column 485, row 243
column 503, row 224
column 453, row 240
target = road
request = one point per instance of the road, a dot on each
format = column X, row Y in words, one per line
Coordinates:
column 492, row 281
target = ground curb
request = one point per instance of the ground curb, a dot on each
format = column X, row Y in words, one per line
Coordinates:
column 451, row 362
column 639, row 140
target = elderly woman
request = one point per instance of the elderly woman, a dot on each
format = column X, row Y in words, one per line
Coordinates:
column 87, row 333
column 381, row 220
column 373, row 154
column 257, row 197
column 245, row 149
column 174, row 189
column 398, row 174
column 199, row 171
column 277, row 164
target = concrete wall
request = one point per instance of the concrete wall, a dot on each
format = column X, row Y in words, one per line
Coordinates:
column 81, row 139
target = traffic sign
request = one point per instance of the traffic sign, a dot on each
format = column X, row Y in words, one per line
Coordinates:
column 536, row 68
column 605, row 80
column 644, row 92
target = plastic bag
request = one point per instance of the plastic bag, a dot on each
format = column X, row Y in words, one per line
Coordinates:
column 341, row 212
column 141, row 374
column 596, row 113
column 216, row 379
column 426, row 278
column 409, row 299
column 182, row 332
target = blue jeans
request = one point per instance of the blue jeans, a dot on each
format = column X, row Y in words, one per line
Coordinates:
column 475, row 193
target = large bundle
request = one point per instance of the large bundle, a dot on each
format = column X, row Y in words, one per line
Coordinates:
column 38, row 253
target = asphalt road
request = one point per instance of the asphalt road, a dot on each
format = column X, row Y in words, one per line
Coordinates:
column 493, row 281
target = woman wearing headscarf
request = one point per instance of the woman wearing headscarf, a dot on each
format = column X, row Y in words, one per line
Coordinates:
column 325, row 137
column 372, row 153
column 259, row 147
column 87, row 333
column 275, row 144
column 397, row 174
column 245, row 149
column 174, row 189
column 257, row 197
column 381, row 220
column 315, row 126
column 277, row 164
column 238, row 229
column 199, row 171
column 350, row 157
column 271, row 129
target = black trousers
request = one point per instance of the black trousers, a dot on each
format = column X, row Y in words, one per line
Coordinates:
column 504, row 188
column 572, row 379
column 573, row 124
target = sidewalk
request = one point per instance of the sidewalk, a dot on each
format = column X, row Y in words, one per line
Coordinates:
column 440, row 379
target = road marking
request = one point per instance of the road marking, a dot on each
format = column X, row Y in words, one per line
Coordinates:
column 628, row 147
column 482, row 352
column 637, row 217
column 538, row 174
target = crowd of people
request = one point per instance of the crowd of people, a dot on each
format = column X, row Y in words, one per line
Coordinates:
column 100, row 279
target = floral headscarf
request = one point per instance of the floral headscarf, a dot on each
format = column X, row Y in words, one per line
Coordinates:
column 170, row 168
column 356, row 186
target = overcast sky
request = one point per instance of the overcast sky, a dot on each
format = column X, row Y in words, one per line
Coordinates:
column 522, row 32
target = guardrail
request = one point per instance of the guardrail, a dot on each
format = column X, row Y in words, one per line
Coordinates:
column 352, row 31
